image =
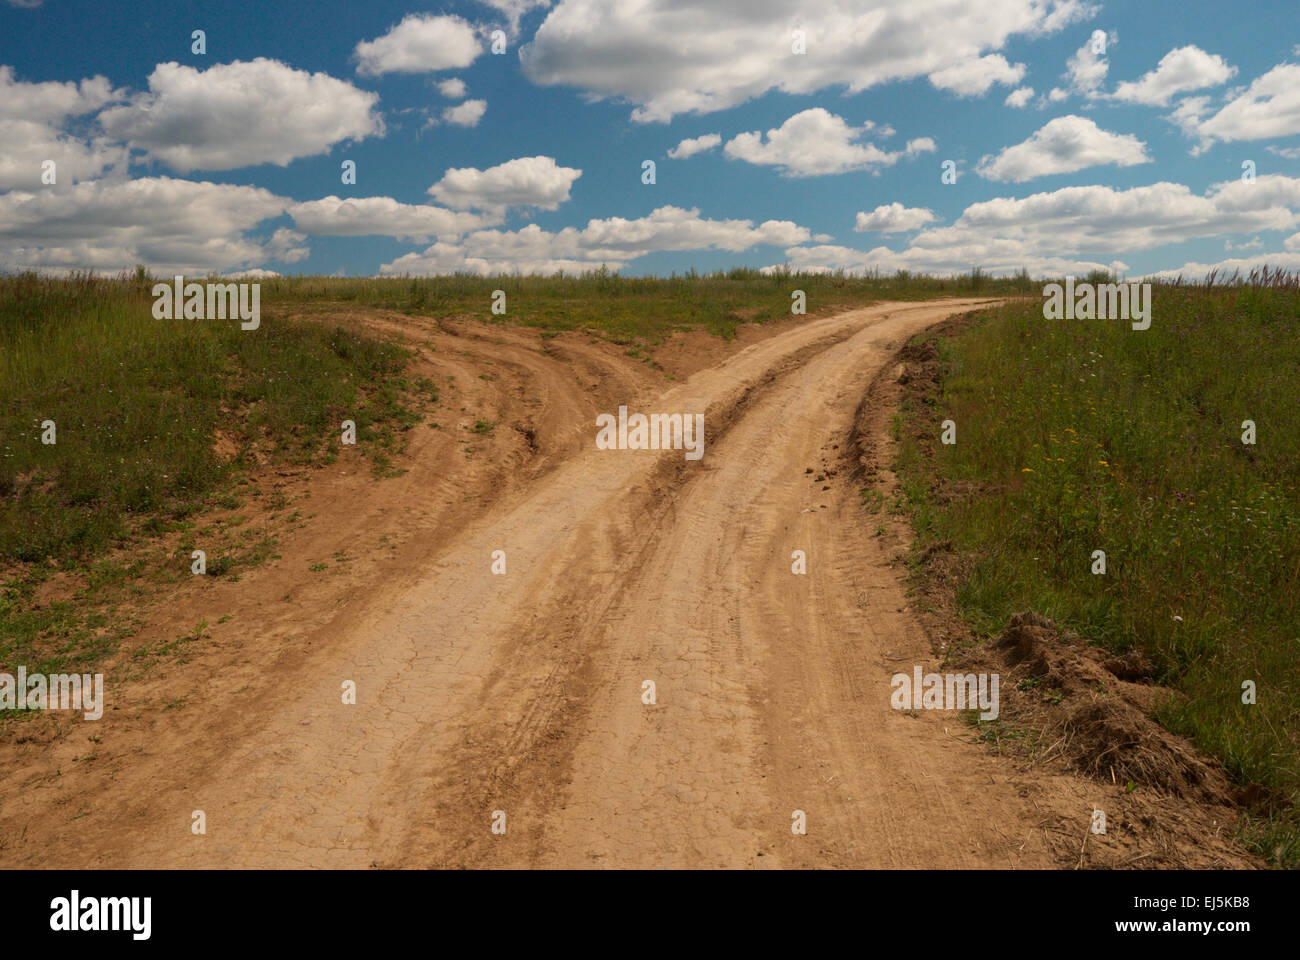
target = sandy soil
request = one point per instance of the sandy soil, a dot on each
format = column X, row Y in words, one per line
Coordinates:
column 523, row 692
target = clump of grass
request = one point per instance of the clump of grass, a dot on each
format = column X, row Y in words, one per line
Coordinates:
column 1086, row 435
column 138, row 405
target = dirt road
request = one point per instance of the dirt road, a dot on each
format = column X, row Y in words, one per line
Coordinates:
column 523, row 693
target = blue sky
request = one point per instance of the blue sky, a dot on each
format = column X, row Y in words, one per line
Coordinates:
column 1082, row 134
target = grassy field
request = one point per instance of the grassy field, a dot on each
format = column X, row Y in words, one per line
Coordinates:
column 138, row 403
column 1073, row 436
column 1084, row 435
column 137, row 407
column 141, row 409
column 625, row 308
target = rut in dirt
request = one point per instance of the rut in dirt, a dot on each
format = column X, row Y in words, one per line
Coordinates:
column 519, row 699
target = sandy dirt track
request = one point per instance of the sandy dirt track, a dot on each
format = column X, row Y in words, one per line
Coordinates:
column 523, row 693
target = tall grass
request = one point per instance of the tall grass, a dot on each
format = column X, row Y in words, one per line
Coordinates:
column 141, row 406
column 1076, row 436
column 632, row 307
column 137, row 404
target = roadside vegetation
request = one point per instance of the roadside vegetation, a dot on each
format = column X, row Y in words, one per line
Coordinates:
column 626, row 308
column 1085, row 435
column 159, row 424
column 140, row 411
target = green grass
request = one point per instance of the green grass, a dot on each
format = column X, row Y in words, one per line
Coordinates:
column 1075, row 436
column 628, row 309
column 139, row 407
column 138, row 404
column 143, row 409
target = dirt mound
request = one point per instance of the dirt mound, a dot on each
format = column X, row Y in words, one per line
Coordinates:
column 1095, row 716
column 1077, row 719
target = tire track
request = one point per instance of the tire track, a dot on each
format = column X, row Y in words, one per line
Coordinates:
column 522, row 692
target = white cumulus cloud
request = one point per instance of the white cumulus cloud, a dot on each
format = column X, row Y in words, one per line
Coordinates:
column 384, row 216
column 1196, row 271
column 1063, row 145
column 51, row 101
column 693, row 145
column 1052, row 232
column 524, row 182
column 466, row 114
column 811, row 143
column 33, row 128
column 241, row 115
column 1186, row 68
column 973, row 77
column 893, row 218
column 1269, row 107
column 614, row 242
column 1019, row 97
column 453, row 88
column 1084, row 71
column 670, row 58
column 421, row 43
column 167, row 224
